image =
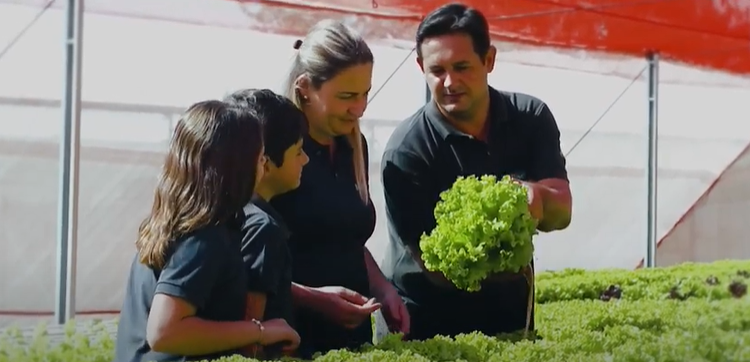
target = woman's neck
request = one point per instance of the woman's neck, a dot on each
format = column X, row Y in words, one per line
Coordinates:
column 321, row 137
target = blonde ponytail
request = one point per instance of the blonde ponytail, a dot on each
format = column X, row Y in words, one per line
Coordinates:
column 360, row 169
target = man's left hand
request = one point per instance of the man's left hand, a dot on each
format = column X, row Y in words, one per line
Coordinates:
column 536, row 207
column 394, row 311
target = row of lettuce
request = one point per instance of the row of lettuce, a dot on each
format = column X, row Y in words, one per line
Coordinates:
column 690, row 312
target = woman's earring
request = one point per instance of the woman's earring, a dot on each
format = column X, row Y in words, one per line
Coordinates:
column 302, row 97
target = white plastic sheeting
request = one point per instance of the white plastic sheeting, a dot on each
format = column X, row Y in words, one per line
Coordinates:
column 716, row 227
column 157, row 68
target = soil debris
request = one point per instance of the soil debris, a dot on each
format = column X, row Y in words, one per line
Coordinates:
column 738, row 289
column 612, row 292
column 712, row 280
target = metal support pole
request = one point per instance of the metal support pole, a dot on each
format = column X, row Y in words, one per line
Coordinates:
column 427, row 94
column 653, row 152
column 67, row 232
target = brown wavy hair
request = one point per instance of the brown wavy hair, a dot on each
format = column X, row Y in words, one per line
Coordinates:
column 208, row 176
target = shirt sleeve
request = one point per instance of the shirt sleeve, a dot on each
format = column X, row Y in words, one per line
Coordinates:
column 263, row 255
column 548, row 160
column 408, row 205
column 193, row 269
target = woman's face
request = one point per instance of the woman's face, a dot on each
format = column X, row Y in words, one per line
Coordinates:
column 335, row 108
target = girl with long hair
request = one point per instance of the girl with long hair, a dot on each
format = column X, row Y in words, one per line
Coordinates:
column 185, row 296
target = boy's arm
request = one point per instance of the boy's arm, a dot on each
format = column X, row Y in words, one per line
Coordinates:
column 255, row 308
column 261, row 252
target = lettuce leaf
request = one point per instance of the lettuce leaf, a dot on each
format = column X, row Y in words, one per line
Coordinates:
column 483, row 227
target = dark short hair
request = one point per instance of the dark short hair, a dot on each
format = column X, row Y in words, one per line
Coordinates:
column 284, row 124
column 456, row 18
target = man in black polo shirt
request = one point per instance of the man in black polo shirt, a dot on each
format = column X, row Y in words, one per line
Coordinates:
column 265, row 251
column 468, row 128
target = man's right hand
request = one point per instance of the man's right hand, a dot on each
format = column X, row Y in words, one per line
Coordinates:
column 345, row 307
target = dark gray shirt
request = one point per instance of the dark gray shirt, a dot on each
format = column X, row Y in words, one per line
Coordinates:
column 423, row 158
column 330, row 226
column 268, row 262
column 204, row 268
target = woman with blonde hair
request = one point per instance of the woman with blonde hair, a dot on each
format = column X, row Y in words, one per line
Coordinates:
column 337, row 283
column 185, row 296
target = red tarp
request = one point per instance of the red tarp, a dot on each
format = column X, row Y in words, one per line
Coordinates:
column 706, row 33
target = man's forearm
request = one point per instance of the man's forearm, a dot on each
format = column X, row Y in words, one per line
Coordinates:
column 557, row 204
column 378, row 282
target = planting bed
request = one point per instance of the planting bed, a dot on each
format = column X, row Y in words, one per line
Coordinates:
column 686, row 313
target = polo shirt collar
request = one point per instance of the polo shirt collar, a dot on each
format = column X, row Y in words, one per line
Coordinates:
column 262, row 204
column 498, row 114
column 312, row 147
column 236, row 220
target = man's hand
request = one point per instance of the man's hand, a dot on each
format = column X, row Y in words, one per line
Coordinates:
column 550, row 203
column 344, row 306
column 394, row 310
column 536, row 205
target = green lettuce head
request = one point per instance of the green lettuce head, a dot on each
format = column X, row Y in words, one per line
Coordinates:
column 483, row 227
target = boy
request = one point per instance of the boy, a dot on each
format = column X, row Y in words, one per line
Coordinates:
column 264, row 245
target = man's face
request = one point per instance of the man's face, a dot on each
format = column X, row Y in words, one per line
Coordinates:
column 455, row 73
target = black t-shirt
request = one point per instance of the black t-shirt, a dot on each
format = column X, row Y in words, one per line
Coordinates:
column 204, row 268
column 330, row 225
column 268, row 262
column 423, row 158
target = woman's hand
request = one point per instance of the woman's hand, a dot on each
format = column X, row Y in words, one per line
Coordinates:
column 345, row 307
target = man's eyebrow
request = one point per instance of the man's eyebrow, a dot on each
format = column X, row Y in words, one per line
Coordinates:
column 460, row 62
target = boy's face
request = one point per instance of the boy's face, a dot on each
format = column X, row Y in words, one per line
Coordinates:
column 287, row 177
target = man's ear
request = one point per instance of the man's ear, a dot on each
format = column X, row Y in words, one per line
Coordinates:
column 489, row 59
column 420, row 62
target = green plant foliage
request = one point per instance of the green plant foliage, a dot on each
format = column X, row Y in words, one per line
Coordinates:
column 718, row 280
column 483, row 227
column 582, row 318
